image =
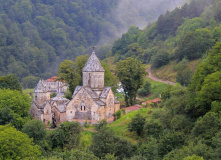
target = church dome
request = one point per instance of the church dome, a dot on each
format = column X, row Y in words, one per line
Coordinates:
column 93, row 64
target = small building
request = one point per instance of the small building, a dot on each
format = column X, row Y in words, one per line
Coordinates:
column 153, row 101
column 132, row 108
column 91, row 102
column 55, row 85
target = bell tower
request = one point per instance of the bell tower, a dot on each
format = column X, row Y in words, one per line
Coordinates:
column 93, row 73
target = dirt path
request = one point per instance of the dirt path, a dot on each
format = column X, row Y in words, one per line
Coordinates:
column 156, row 79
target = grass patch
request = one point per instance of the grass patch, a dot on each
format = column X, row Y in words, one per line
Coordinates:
column 120, row 126
column 86, row 139
column 29, row 92
column 169, row 71
column 156, row 88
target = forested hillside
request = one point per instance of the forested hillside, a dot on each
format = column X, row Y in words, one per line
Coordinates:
column 36, row 35
column 183, row 35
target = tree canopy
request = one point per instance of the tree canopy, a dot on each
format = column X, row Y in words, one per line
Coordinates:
column 131, row 74
column 16, row 145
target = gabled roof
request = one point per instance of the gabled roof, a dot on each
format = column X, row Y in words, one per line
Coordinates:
column 100, row 103
column 41, row 88
column 76, row 90
column 61, row 107
column 91, row 92
column 93, row 64
column 59, row 98
column 105, row 92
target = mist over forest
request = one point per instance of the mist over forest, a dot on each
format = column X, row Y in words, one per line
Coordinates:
column 140, row 13
column 37, row 35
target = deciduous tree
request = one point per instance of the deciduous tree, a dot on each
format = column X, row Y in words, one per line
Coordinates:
column 131, row 74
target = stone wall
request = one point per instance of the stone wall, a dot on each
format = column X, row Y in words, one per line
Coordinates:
column 95, row 80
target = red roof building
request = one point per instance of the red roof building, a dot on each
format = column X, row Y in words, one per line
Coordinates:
column 155, row 101
column 132, row 108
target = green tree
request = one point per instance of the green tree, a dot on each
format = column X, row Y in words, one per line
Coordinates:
column 68, row 73
column 205, row 82
column 10, row 82
column 195, row 44
column 131, row 74
column 105, row 141
column 16, row 145
column 206, row 127
column 160, row 59
column 184, row 76
column 193, row 157
column 35, row 129
column 137, row 124
column 145, row 90
column 29, row 82
column 17, row 104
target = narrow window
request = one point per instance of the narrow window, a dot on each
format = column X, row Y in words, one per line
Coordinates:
column 84, row 108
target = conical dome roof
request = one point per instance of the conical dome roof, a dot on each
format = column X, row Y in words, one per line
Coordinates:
column 93, row 64
column 41, row 88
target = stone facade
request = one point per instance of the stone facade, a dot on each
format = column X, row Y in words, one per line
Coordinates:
column 92, row 101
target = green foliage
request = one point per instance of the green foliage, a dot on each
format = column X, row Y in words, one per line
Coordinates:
column 16, row 105
column 109, row 78
column 153, row 127
column 118, row 114
column 207, row 126
column 53, row 95
column 205, row 84
column 137, row 124
column 193, row 157
column 195, row 44
column 216, row 107
column 145, row 90
column 105, row 141
column 10, row 82
column 160, row 59
column 67, row 135
column 198, row 149
column 131, row 74
column 16, row 145
column 75, row 154
column 35, row 129
column 68, row 73
column 29, row 82
column 184, row 76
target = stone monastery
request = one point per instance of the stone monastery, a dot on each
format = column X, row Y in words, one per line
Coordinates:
column 92, row 101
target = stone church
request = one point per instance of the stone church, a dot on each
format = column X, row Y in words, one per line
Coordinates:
column 91, row 102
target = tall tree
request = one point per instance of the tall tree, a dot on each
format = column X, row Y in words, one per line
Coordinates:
column 131, row 74
column 16, row 145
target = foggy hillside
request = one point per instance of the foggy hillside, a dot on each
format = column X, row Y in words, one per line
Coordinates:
column 37, row 35
column 142, row 12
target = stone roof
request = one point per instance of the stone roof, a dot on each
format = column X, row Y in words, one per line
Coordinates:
column 37, row 105
column 59, row 98
column 41, row 88
column 91, row 92
column 61, row 107
column 76, row 90
column 105, row 92
column 93, row 64
column 100, row 103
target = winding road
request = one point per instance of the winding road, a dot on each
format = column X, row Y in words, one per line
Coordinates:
column 156, row 79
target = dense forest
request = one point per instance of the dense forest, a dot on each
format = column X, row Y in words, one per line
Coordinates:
column 36, row 35
column 183, row 35
column 186, row 125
